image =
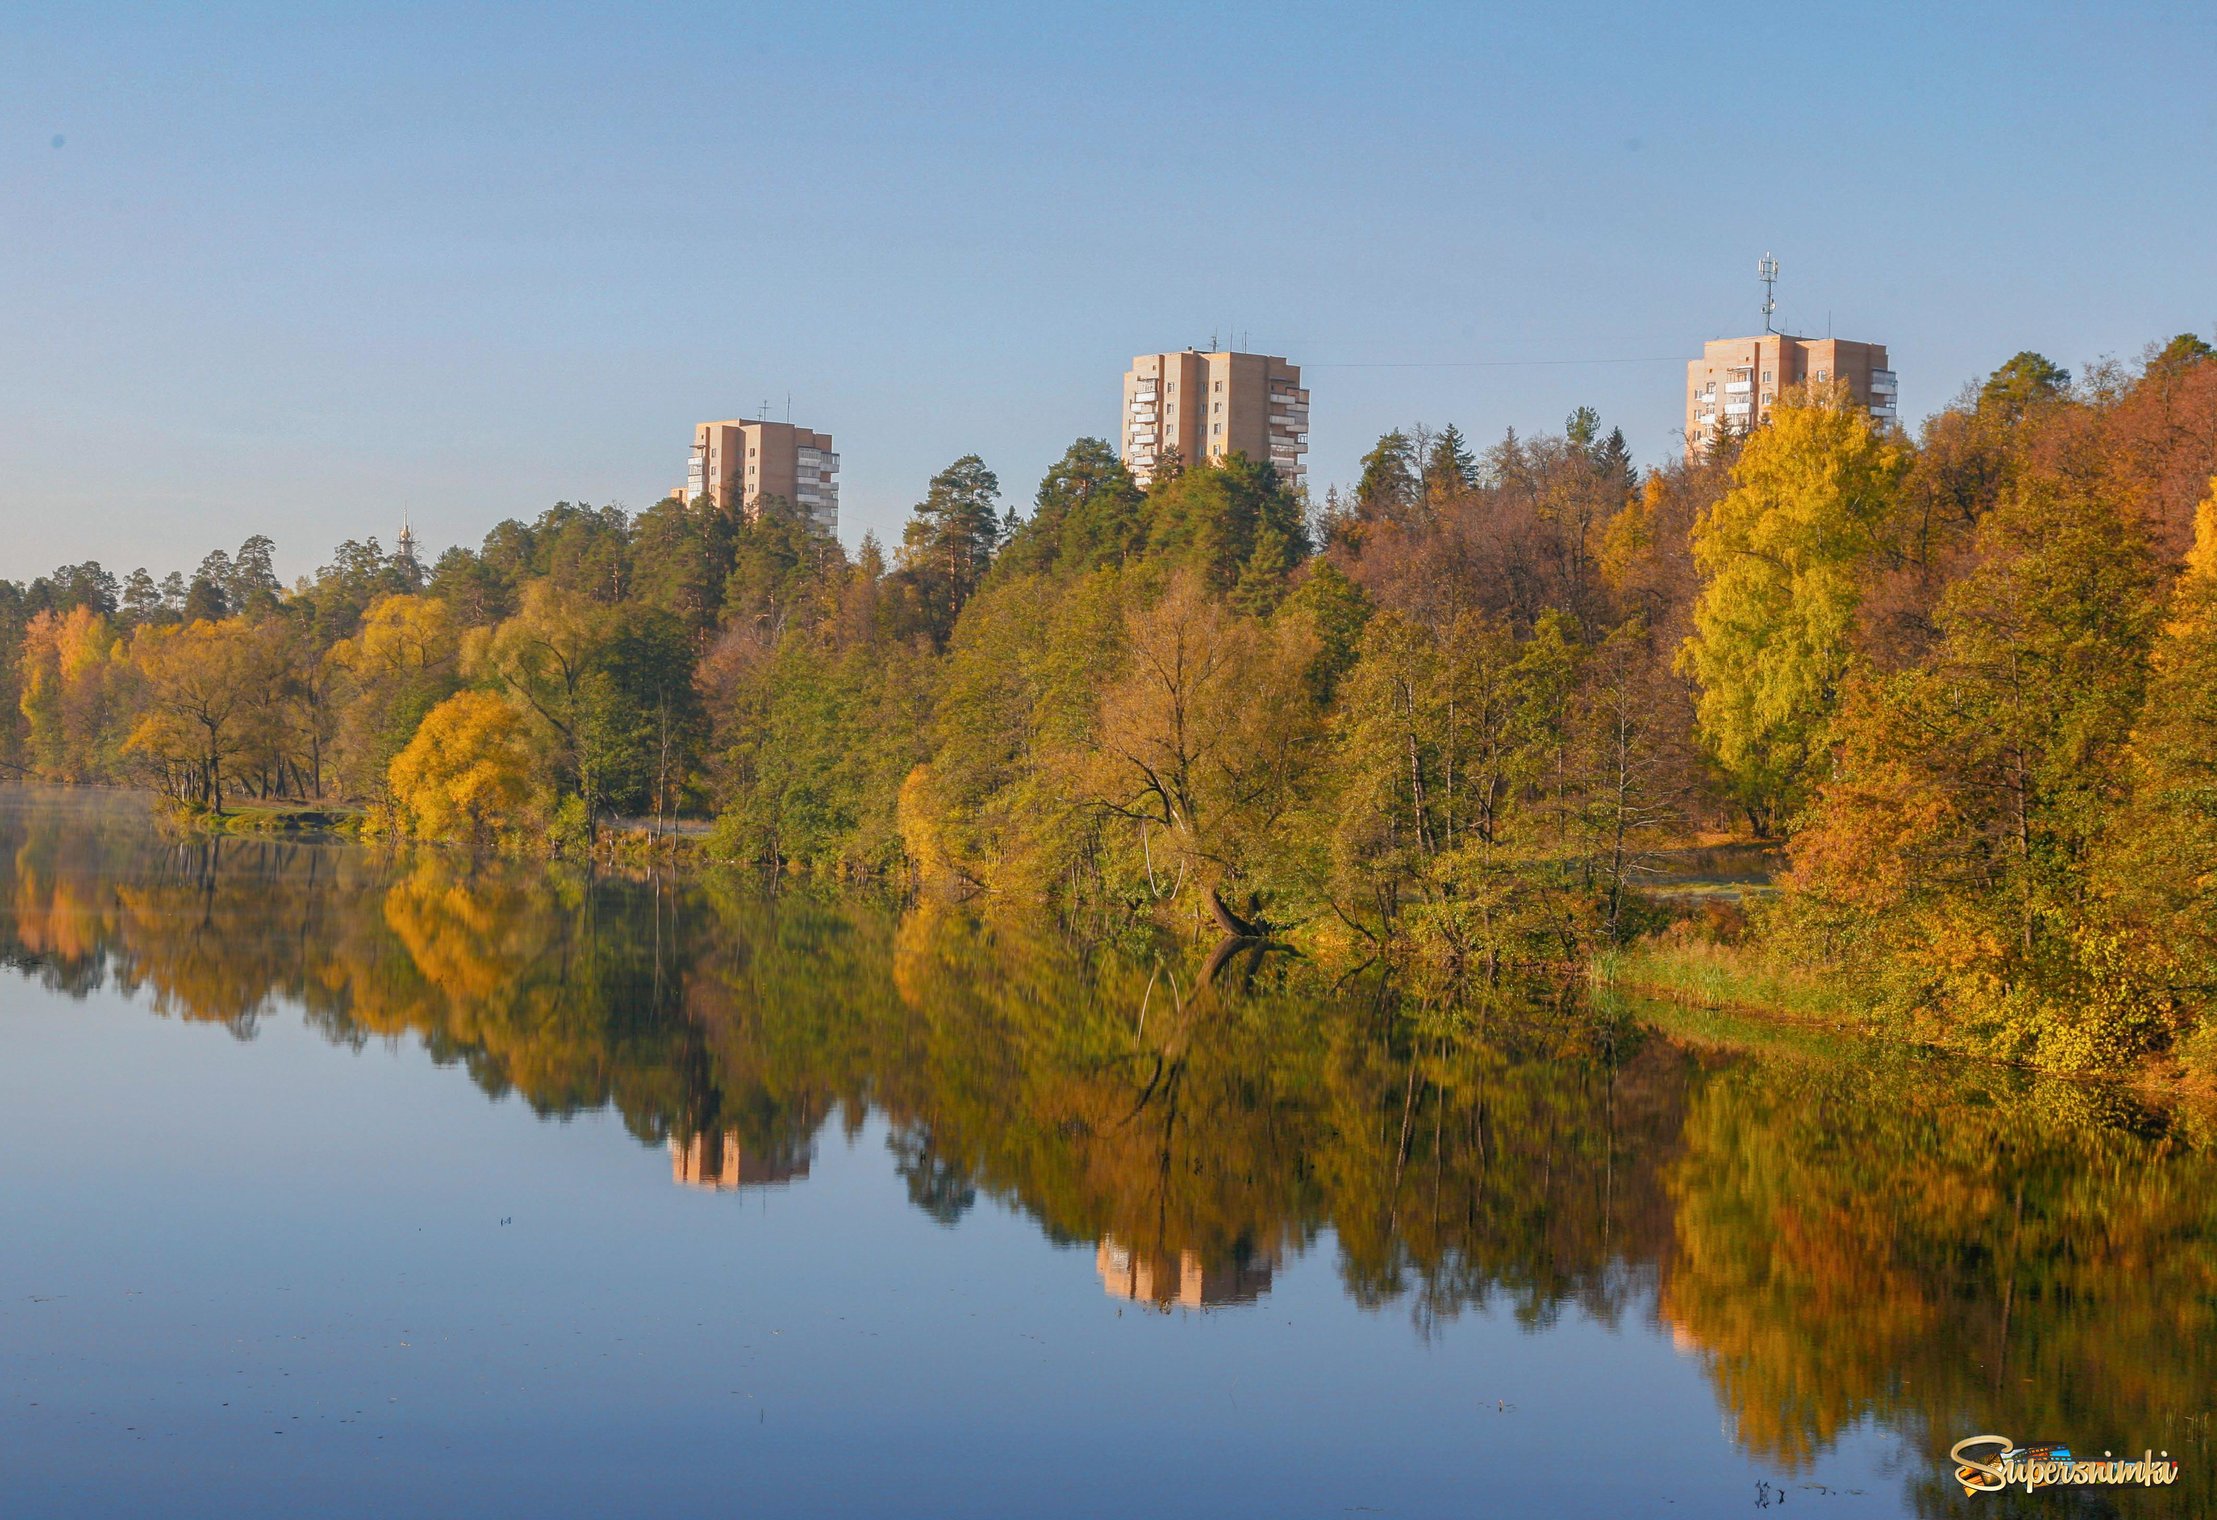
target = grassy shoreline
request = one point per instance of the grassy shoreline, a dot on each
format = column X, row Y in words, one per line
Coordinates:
column 1735, row 996
column 331, row 820
column 1728, row 976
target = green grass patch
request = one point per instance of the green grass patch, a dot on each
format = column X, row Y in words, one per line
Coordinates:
column 1729, row 976
column 278, row 818
column 1736, row 997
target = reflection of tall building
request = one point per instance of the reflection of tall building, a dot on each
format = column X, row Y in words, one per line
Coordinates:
column 718, row 1161
column 1156, row 1277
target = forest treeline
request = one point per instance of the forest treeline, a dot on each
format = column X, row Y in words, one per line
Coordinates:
column 1447, row 718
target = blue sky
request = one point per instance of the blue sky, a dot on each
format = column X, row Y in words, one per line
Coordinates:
column 299, row 269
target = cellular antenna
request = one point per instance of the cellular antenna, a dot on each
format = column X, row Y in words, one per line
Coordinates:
column 1767, row 272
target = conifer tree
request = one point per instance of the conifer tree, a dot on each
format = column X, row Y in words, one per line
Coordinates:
column 1388, row 488
column 1450, row 468
column 951, row 537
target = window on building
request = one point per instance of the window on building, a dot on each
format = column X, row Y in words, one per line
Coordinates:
column 1220, row 385
column 1766, row 376
column 1823, row 375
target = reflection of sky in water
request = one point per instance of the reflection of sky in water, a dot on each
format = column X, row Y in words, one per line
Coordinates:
column 272, row 1279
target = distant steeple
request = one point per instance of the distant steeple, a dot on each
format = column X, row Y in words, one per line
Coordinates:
column 404, row 548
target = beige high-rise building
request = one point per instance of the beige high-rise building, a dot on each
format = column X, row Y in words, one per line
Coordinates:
column 1736, row 380
column 1211, row 406
column 736, row 464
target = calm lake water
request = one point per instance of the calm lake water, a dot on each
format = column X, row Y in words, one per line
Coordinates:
column 334, row 1184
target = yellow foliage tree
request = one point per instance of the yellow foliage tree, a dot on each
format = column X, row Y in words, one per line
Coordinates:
column 201, row 683
column 66, row 668
column 470, row 774
column 1781, row 557
column 395, row 669
column 2161, row 865
column 400, row 636
column 922, row 823
column 545, row 658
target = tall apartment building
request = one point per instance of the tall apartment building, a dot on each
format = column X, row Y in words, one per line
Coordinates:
column 1736, row 380
column 1210, row 406
column 736, row 464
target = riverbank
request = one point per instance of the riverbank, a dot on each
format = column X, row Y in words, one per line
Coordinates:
column 334, row 820
column 1708, row 973
column 1737, row 994
column 1737, row 976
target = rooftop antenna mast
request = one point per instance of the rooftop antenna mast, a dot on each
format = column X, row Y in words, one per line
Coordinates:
column 1767, row 272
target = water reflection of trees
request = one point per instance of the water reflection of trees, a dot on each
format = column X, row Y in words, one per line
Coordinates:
column 1949, row 1256
column 1893, row 1242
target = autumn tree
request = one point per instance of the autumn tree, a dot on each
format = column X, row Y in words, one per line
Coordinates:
column 1013, row 717
column 67, row 694
column 402, row 662
column 546, row 658
column 2159, row 865
column 1781, row 557
column 1204, row 739
column 1629, row 796
column 470, row 773
column 201, row 681
column 1956, row 836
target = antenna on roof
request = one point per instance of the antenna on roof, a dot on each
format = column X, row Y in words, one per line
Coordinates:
column 1767, row 272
